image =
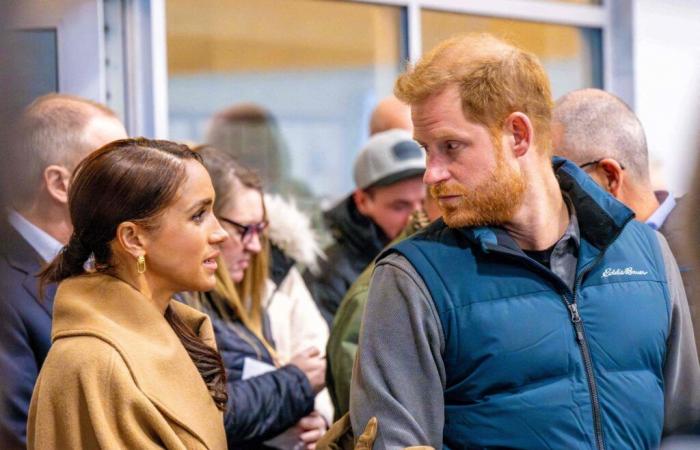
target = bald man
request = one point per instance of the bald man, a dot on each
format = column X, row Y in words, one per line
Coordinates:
column 601, row 134
column 54, row 133
column 390, row 113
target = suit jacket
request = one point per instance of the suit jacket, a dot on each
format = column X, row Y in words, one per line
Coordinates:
column 118, row 376
column 25, row 333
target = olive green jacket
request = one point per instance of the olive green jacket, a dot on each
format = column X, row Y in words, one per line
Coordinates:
column 345, row 332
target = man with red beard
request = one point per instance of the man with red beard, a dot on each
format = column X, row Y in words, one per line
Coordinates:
column 537, row 313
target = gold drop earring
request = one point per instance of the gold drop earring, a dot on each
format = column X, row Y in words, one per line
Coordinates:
column 141, row 264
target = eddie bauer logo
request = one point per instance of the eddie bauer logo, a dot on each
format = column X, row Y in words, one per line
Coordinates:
column 619, row 272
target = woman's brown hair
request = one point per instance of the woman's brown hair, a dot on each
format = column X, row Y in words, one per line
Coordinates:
column 130, row 180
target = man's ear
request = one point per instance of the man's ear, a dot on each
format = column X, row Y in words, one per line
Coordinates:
column 131, row 237
column 362, row 199
column 613, row 174
column 57, row 179
column 520, row 130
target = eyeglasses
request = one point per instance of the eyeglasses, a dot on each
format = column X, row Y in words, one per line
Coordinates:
column 596, row 162
column 247, row 231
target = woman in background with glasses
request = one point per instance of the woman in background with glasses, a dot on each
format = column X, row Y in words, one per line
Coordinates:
column 266, row 398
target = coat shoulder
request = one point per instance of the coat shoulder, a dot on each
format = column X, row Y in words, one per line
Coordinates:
column 79, row 356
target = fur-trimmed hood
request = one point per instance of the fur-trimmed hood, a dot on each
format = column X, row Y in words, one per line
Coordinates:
column 290, row 230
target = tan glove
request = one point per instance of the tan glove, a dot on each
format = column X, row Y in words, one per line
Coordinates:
column 340, row 436
column 366, row 439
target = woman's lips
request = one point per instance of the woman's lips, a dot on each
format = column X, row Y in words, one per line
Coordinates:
column 211, row 264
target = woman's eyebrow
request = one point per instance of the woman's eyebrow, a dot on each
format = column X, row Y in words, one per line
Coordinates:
column 201, row 203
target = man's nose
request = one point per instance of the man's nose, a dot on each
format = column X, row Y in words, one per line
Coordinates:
column 435, row 173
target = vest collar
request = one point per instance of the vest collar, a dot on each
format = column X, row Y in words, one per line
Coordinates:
column 601, row 216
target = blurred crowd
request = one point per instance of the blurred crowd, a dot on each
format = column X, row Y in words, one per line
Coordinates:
column 503, row 275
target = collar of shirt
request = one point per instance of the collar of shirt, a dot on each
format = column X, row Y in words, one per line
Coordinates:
column 666, row 204
column 572, row 231
column 45, row 245
column 565, row 253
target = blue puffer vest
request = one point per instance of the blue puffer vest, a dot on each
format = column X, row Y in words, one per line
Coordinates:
column 532, row 364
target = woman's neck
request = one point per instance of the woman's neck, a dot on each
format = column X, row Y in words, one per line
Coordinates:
column 160, row 298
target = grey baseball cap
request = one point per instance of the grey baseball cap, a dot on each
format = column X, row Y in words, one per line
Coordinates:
column 388, row 157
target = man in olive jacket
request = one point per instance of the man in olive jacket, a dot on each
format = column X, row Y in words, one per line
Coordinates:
column 342, row 342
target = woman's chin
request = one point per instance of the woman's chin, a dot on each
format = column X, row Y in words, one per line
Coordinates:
column 202, row 284
column 236, row 275
column 209, row 284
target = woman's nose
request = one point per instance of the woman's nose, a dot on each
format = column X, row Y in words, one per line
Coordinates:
column 254, row 245
column 218, row 235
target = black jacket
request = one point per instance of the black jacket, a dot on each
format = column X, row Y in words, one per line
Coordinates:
column 264, row 406
column 358, row 240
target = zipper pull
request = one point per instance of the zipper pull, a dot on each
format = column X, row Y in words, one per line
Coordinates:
column 576, row 319
column 573, row 309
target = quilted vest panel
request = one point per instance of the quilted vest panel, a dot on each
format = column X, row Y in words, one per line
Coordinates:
column 515, row 371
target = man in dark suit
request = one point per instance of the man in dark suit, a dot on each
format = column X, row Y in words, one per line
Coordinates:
column 54, row 133
column 601, row 134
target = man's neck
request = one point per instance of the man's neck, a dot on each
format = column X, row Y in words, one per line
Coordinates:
column 642, row 201
column 52, row 221
column 543, row 217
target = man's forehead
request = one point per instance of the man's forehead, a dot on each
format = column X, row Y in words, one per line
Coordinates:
column 458, row 128
column 441, row 116
column 448, row 95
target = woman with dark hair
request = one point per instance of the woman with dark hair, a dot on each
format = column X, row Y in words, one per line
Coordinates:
column 271, row 397
column 129, row 366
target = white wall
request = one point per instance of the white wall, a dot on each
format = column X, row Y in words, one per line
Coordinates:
column 667, row 83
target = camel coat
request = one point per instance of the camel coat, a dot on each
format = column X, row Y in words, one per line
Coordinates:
column 117, row 376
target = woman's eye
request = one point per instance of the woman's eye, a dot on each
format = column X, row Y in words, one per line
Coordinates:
column 199, row 216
